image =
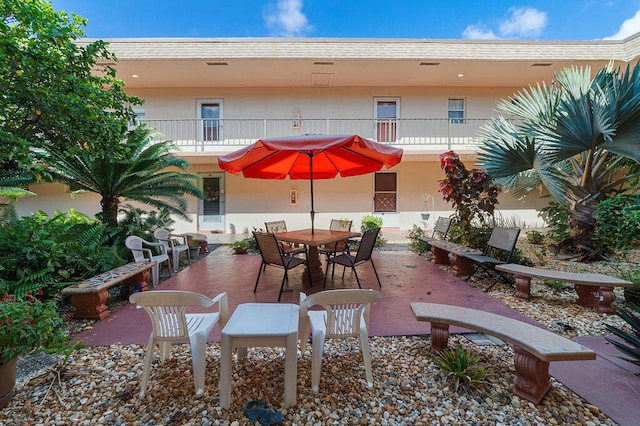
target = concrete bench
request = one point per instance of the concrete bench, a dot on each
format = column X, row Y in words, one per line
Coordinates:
column 534, row 347
column 89, row 296
column 446, row 252
column 441, row 229
column 594, row 290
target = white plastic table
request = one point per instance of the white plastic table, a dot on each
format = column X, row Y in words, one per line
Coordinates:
column 261, row 324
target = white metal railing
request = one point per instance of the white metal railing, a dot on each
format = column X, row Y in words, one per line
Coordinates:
column 211, row 134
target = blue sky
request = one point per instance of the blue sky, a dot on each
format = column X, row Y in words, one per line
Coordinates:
column 443, row 19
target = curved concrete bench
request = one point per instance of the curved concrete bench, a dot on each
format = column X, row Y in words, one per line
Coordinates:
column 89, row 297
column 534, row 347
column 594, row 290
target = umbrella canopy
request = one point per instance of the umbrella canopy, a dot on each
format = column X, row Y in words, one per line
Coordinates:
column 310, row 157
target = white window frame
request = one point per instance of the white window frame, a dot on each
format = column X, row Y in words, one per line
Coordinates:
column 453, row 111
column 392, row 121
column 201, row 132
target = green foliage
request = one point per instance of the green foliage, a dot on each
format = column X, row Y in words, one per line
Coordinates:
column 555, row 285
column 473, row 196
column 461, row 367
column 471, row 237
column 558, row 219
column 576, row 137
column 249, row 244
column 631, row 338
column 372, row 222
column 27, row 325
column 55, row 95
column 618, row 221
column 151, row 175
column 415, row 244
column 535, row 237
column 138, row 222
column 632, row 275
column 38, row 252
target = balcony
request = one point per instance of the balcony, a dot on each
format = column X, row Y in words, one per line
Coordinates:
column 219, row 135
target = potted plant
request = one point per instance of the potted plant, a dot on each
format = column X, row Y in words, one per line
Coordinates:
column 243, row 246
column 194, row 251
column 425, row 199
column 26, row 325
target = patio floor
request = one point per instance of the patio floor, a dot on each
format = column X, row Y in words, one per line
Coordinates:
column 607, row 382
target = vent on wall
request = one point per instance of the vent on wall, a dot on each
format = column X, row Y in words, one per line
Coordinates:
column 542, row 64
column 321, row 80
column 217, row 64
column 322, row 63
column 429, row 64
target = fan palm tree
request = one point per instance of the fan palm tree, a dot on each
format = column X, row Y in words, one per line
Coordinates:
column 578, row 137
column 148, row 176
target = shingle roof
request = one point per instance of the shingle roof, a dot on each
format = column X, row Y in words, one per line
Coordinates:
column 367, row 49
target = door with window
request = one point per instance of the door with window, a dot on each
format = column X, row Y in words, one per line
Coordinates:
column 385, row 198
column 386, row 116
column 211, row 211
column 210, row 115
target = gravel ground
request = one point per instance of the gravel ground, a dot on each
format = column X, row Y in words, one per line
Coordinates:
column 100, row 385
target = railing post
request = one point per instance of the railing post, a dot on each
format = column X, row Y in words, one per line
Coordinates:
column 448, row 134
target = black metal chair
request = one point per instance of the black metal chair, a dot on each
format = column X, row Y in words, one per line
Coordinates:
column 273, row 254
column 441, row 229
column 365, row 249
column 501, row 239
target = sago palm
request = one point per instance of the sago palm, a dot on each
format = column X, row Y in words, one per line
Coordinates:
column 578, row 137
column 151, row 176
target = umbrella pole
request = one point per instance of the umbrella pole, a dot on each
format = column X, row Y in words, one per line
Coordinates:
column 312, row 212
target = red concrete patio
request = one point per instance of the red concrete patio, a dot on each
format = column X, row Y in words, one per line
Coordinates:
column 608, row 383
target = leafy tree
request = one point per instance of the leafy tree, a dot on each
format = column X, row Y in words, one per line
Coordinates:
column 578, row 137
column 149, row 176
column 56, row 95
column 472, row 194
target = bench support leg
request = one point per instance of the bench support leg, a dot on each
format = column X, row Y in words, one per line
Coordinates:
column 523, row 287
column 439, row 256
column 532, row 376
column 461, row 266
column 587, row 295
column 439, row 337
column 91, row 305
column 606, row 297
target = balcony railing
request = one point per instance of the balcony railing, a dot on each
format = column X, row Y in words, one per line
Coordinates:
column 216, row 134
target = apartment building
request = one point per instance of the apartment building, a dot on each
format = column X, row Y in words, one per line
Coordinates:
column 213, row 96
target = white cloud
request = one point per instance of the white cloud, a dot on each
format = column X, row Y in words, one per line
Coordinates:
column 524, row 22
column 478, row 32
column 285, row 18
column 628, row 28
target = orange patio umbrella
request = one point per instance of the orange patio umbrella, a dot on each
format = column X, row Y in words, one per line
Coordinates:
column 310, row 157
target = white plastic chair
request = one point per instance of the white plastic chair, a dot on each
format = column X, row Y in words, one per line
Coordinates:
column 345, row 314
column 164, row 236
column 142, row 254
column 170, row 323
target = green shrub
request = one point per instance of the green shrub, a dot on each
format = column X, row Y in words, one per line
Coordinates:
column 558, row 220
column 415, row 244
column 461, row 367
column 42, row 253
column 372, row 222
column 535, row 237
column 618, row 221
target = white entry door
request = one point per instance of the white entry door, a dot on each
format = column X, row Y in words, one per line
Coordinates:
column 211, row 211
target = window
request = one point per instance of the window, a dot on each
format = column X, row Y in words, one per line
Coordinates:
column 386, row 111
column 456, row 111
column 385, row 193
column 138, row 114
column 210, row 111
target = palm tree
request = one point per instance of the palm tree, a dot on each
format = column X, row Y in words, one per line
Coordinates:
column 146, row 177
column 578, row 137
